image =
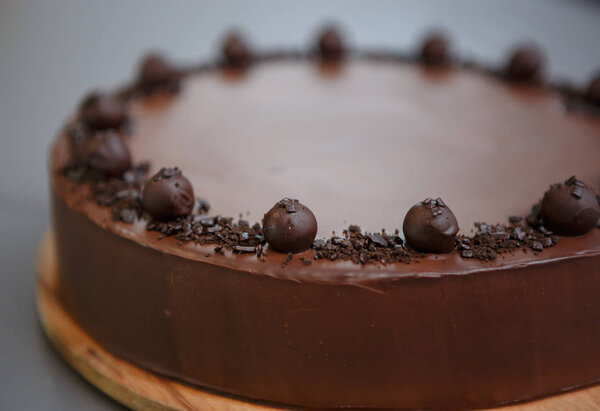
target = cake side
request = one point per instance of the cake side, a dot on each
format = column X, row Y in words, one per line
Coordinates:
column 477, row 340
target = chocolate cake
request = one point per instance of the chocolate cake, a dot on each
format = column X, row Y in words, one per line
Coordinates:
column 338, row 228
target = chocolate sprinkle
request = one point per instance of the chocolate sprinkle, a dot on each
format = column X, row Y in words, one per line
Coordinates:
column 122, row 195
column 222, row 231
column 203, row 205
column 537, row 246
column 244, row 249
column 490, row 241
column 378, row 240
column 515, row 218
column 364, row 248
column 288, row 259
column 466, row 253
column 305, row 261
column 288, row 204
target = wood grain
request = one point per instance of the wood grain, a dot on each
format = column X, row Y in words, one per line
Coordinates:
column 143, row 390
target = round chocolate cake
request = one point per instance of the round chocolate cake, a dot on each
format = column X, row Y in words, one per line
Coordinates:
column 336, row 228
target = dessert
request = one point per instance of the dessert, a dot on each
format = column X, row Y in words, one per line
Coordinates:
column 228, row 292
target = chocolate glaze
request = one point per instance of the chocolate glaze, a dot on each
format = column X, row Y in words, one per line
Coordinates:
column 407, row 127
column 367, row 142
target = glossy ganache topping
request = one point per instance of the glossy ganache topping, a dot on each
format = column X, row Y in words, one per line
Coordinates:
column 102, row 111
column 289, row 227
column 570, row 208
column 430, row 226
column 168, row 195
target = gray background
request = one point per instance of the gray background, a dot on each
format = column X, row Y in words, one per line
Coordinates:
column 52, row 52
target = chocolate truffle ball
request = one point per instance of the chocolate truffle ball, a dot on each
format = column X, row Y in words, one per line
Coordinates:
column 430, row 227
column 435, row 50
column 236, row 52
column 108, row 154
column 592, row 93
column 289, row 227
column 103, row 111
column 155, row 71
column 168, row 195
column 570, row 208
column 525, row 65
column 331, row 45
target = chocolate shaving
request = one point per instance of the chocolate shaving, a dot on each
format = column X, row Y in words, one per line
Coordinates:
column 515, row 218
column 288, row 259
column 492, row 240
column 243, row 249
column 225, row 232
column 289, row 205
column 434, row 205
column 364, row 248
column 306, row 261
column 203, row 205
column 122, row 195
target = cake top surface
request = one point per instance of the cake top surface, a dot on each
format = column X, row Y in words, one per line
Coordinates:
column 359, row 141
column 362, row 143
